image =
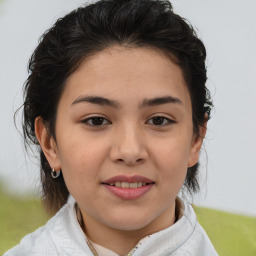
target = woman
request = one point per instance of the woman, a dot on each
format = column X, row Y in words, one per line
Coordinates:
column 116, row 102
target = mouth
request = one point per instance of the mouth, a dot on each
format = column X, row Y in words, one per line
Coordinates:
column 128, row 188
column 122, row 181
column 121, row 184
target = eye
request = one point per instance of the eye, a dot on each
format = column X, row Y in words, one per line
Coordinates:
column 96, row 121
column 160, row 121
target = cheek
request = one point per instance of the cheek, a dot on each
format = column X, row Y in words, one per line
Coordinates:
column 172, row 151
column 171, row 159
column 80, row 170
column 75, row 149
column 81, row 158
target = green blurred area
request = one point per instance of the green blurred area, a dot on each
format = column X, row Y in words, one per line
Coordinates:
column 232, row 235
column 18, row 217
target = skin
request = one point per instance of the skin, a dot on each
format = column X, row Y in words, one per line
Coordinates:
column 127, row 141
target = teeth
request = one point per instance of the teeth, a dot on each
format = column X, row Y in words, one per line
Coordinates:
column 133, row 185
column 125, row 185
column 120, row 184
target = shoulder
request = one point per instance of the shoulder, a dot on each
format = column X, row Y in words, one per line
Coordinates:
column 41, row 241
column 37, row 243
column 58, row 237
column 185, row 237
column 198, row 243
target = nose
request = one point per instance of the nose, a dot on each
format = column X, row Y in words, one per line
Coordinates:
column 128, row 146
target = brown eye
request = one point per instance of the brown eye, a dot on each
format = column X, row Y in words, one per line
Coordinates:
column 96, row 121
column 160, row 121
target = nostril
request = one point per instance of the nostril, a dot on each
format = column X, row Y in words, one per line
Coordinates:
column 129, row 162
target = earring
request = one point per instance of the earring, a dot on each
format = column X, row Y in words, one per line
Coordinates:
column 55, row 174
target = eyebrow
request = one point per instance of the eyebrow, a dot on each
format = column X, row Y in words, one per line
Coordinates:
column 159, row 101
column 98, row 100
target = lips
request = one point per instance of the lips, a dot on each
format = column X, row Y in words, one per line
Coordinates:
column 128, row 188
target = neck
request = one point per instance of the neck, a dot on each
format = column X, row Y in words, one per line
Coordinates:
column 123, row 241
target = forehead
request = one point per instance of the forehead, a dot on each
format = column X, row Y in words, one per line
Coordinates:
column 119, row 71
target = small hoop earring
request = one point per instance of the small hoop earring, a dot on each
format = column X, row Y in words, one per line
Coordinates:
column 55, row 174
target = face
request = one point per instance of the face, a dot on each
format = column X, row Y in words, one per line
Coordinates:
column 124, row 138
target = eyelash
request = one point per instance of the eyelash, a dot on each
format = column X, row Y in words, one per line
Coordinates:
column 167, row 121
column 88, row 121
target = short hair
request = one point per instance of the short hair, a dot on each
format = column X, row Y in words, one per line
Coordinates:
column 91, row 29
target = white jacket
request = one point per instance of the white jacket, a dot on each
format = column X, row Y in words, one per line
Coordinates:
column 63, row 236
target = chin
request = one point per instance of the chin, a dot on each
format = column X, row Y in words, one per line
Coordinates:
column 130, row 222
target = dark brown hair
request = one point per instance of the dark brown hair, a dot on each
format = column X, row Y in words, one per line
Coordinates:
column 90, row 29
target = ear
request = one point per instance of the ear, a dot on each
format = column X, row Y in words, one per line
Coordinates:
column 197, row 142
column 47, row 144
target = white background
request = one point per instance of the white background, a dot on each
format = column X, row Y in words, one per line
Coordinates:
column 228, row 29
